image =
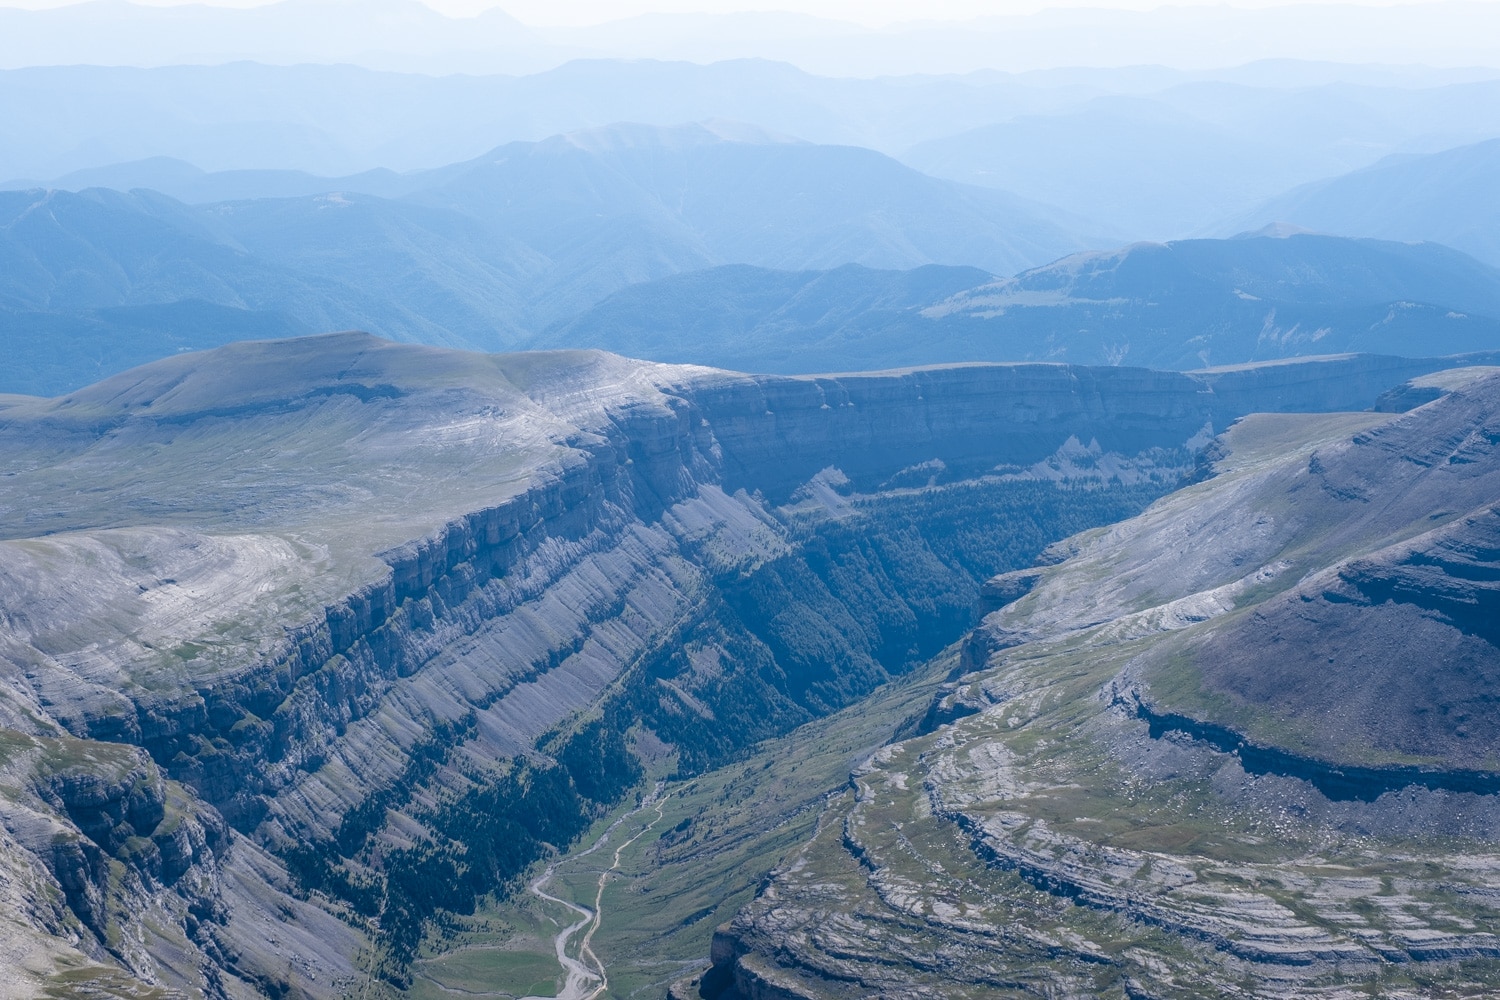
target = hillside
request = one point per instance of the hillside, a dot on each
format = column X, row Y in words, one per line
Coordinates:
column 1193, row 303
column 1184, row 305
column 759, row 319
column 343, row 632
column 1259, row 763
column 1446, row 197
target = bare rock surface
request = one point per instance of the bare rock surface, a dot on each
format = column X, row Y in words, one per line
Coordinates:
column 1238, row 745
column 241, row 591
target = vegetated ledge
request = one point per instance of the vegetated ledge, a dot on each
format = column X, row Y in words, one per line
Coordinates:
column 247, row 735
column 1337, row 782
column 758, row 432
column 336, row 669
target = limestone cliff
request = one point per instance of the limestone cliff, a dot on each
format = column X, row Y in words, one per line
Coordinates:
column 318, row 592
column 1239, row 744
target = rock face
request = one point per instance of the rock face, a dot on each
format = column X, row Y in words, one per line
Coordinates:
column 1240, row 744
column 279, row 622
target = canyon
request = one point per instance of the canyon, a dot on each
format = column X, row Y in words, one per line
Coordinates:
column 603, row 511
column 297, row 632
column 1236, row 744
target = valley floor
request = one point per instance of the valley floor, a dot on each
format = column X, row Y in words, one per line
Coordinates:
column 1024, row 816
column 719, row 837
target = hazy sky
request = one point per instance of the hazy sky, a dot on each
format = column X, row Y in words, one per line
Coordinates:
column 868, row 12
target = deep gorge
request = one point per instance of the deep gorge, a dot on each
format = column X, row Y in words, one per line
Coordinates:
column 705, row 566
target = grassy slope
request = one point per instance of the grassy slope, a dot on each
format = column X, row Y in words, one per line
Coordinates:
column 719, row 836
column 1268, row 863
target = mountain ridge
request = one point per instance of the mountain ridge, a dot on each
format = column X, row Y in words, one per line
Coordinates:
column 1438, row 196
column 320, row 601
column 1183, row 305
column 480, row 253
column 1093, row 773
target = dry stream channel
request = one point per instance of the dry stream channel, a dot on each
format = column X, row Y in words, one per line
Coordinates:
column 586, row 976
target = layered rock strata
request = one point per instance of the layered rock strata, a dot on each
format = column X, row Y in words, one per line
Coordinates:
column 1227, row 746
column 251, row 584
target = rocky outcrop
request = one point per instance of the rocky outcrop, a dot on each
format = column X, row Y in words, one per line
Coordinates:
column 137, row 862
column 1224, row 746
column 1007, row 588
column 1337, row 782
column 1381, row 662
column 437, row 537
column 775, row 433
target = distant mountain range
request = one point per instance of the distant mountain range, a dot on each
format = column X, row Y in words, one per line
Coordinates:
column 386, row 33
column 344, row 119
column 651, row 202
column 1134, row 164
column 1187, row 304
column 716, row 243
column 1172, row 163
column 479, row 254
column 1267, row 126
column 1451, row 197
column 185, row 182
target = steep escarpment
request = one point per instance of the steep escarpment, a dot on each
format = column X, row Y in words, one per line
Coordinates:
column 352, row 602
column 776, row 433
column 1224, row 746
column 1384, row 653
column 118, row 879
column 1412, row 625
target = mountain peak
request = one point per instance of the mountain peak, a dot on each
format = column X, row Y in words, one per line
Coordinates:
column 635, row 135
column 1275, row 231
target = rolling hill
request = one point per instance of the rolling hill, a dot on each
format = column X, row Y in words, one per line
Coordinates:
column 1186, row 304
column 1447, row 197
column 478, row 254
